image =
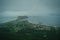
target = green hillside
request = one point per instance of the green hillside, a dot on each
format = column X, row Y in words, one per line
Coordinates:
column 24, row 30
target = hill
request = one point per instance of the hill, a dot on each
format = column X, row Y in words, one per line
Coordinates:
column 22, row 29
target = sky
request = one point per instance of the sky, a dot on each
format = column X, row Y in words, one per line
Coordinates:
column 29, row 7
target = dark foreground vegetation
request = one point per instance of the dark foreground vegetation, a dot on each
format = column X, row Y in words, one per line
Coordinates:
column 24, row 30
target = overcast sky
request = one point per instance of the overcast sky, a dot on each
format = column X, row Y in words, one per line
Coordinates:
column 29, row 7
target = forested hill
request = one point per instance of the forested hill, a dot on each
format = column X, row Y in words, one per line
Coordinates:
column 21, row 29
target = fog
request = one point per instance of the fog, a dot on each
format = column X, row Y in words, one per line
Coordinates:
column 29, row 7
column 47, row 10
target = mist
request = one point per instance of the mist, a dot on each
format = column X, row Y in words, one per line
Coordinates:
column 29, row 7
column 47, row 10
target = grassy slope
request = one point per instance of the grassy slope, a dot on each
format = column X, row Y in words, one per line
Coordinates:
column 24, row 30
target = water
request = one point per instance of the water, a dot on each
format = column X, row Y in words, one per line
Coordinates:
column 46, row 20
column 7, row 19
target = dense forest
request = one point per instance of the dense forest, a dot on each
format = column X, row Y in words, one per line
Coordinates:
column 24, row 30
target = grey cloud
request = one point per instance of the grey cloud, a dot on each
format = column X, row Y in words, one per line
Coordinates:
column 30, row 6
